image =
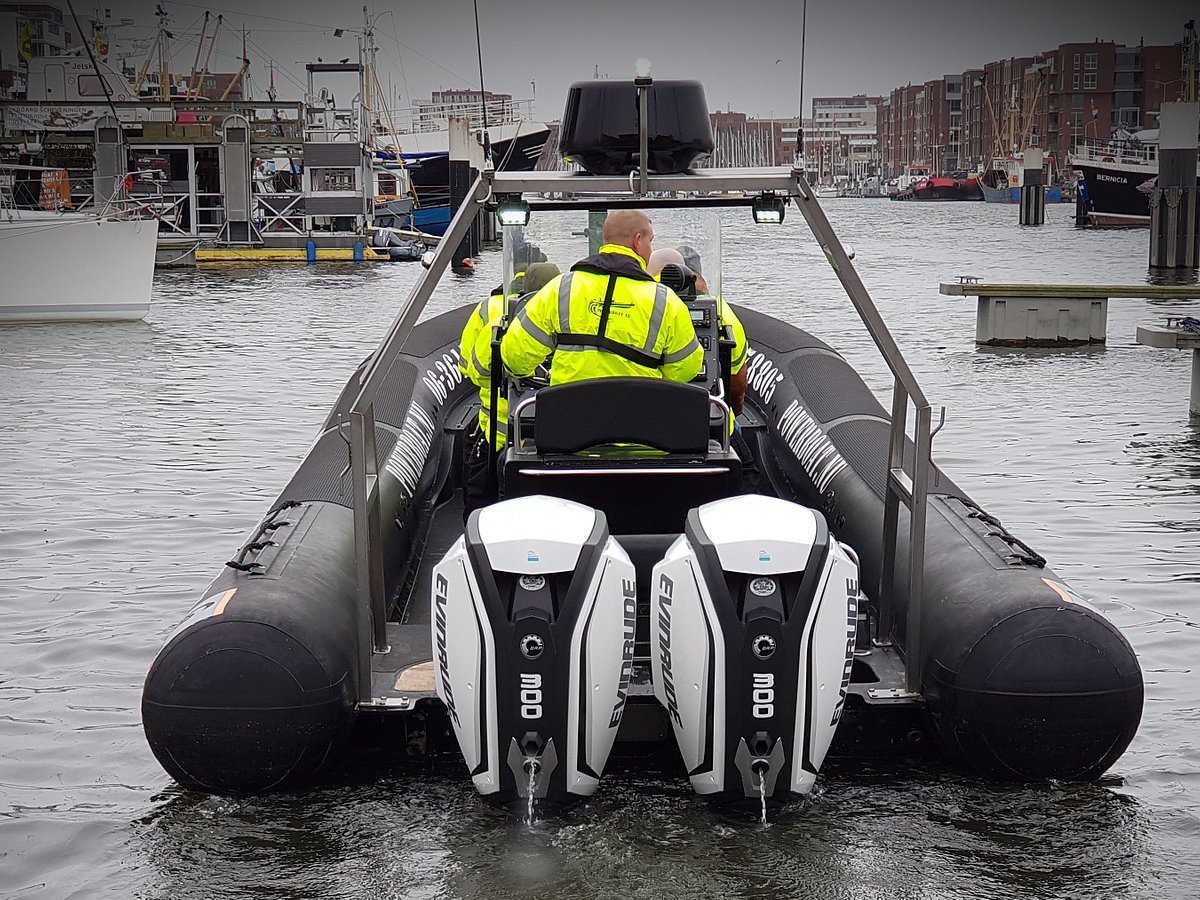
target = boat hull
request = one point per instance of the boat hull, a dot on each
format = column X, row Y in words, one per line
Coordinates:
column 1117, row 196
column 1054, row 194
column 1023, row 679
column 73, row 267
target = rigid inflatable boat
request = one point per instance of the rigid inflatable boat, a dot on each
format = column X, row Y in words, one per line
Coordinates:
column 641, row 577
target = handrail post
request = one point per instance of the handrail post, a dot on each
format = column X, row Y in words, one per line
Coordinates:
column 370, row 585
column 897, row 484
column 918, row 509
column 368, row 560
column 891, row 515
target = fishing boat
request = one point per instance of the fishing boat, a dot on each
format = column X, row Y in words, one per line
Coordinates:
column 759, row 599
column 1002, row 180
column 1118, row 176
column 66, row 265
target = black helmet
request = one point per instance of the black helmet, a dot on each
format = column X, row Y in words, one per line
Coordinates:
column 691, row 257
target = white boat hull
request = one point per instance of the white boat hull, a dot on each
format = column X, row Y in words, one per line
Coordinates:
column 74, row 267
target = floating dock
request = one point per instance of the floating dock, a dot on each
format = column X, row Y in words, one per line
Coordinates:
column 1051, row 315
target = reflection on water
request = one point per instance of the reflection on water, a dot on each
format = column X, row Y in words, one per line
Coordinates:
column 135, row 458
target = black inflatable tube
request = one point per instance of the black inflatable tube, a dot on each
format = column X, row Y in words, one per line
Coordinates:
column 1023, row 680
column 257, row 688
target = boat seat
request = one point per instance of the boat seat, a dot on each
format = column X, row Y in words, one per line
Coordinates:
column 643, row 450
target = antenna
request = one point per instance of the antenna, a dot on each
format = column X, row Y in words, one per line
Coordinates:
column 800, row 111
column 487, row 140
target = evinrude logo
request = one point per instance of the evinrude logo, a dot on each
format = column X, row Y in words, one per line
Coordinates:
column 441, row 587
column 666, row 590
column 851, row 630
column 629, row 591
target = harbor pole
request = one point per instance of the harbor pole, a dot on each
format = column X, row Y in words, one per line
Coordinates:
column 1033, row 191
column 463, row 152
column 1174, row 212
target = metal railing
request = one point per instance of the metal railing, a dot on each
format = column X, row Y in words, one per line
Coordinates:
column 634, row 190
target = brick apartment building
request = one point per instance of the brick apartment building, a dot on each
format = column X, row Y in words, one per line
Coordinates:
column 1052, row 100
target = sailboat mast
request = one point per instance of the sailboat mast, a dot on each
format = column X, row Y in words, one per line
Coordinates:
column 193, row 81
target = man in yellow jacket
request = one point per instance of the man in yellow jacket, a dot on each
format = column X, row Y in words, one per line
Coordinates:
column 477, row 355
column 607, row 316
column 738, row 382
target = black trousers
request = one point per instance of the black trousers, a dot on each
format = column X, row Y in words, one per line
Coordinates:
column 476, row 490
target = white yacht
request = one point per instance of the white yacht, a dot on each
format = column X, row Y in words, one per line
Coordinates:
column 72, row 266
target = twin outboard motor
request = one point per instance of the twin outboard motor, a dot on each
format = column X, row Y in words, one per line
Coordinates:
column 533, row 632
column 753, row 615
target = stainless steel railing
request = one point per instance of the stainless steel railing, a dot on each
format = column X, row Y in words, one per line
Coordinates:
column 900, row 486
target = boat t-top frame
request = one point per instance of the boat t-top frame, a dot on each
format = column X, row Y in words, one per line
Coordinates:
column 645, row 190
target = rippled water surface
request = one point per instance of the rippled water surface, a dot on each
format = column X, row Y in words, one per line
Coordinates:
column 135, row 457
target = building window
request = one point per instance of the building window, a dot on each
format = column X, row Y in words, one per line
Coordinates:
column 1076, row 60
column 1075, row 81
column 1089, row 61
column 1089, row 82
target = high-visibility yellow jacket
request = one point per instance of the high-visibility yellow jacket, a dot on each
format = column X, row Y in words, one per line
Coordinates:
column 478, row 368
column 647, row 330
column 482, row 313
column 737, row 332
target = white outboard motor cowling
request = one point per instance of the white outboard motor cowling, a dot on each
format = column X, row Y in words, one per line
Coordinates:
column 753, row 615
column 533, row 629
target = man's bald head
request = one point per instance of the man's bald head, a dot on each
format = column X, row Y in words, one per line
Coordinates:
column 630, row 228
column 664, row 256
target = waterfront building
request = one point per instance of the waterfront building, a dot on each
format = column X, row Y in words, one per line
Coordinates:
column 1053, row 100
column 840, row 140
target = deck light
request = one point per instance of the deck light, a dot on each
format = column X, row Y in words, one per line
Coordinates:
column 768, row 209
column 513, row 210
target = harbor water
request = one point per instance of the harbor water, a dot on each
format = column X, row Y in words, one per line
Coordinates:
column 135, row 458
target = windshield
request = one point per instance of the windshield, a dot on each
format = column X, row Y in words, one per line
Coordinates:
column 566, row 237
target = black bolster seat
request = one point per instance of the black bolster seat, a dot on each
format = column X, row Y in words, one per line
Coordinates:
column 640, row 449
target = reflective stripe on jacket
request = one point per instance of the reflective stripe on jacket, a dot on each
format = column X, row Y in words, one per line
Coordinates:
column 478, row 360
column 648, row 331
column 482, row 313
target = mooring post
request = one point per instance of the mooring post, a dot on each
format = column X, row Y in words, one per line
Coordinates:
column 464, row 150
column 1174, row 211
column 1081, row 203
column 1033, row 191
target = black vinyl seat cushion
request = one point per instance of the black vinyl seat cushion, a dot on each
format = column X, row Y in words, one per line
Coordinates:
column 666, row 415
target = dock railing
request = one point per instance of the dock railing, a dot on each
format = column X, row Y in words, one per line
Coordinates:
column 613, row 192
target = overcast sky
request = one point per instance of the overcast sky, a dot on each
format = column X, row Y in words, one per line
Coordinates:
column 747, row 52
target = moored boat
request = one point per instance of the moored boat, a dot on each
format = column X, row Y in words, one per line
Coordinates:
column 1119, row 176
column 811, row 581
column 109, row 271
